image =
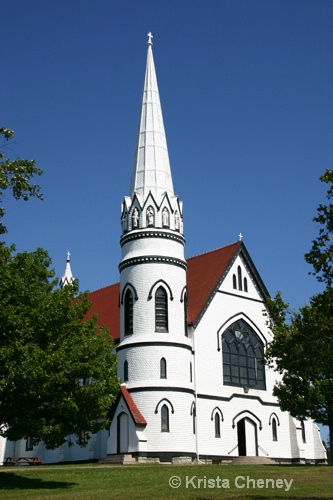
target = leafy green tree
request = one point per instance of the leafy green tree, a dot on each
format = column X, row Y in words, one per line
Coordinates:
column 57, row 369
column 302, row 346
column 16, row 175
column 321, row 253
column 302, row 352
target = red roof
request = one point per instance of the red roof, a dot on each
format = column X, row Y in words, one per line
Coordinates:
column 203, row 274
column 134, row 410
column 105, row 303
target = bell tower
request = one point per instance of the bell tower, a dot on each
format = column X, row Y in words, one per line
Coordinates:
column 155, row 353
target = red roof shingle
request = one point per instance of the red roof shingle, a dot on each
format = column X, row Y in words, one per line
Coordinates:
column 134, row 410
column 203, row 274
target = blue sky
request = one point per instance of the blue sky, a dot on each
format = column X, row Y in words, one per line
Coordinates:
column 246, row 92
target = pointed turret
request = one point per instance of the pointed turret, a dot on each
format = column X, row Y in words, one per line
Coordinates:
column 151, row 170
column 67, row 278
column 152, row 202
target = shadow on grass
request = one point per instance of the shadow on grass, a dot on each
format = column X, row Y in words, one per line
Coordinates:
column 11, row 481
column 254, row 496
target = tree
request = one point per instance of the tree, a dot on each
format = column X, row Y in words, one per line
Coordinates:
column 57, row 370
column 302, row 345
column 16, row 175
column 302, row 352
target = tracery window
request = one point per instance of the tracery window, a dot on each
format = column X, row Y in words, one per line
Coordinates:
column 242, row 357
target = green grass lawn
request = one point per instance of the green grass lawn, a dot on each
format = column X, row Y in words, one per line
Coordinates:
column 152, row 482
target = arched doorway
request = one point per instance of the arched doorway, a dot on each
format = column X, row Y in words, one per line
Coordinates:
column 122, row 433
column 247, row 437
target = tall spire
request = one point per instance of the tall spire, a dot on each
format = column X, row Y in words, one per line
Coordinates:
column 151, row 170
column 67, row 278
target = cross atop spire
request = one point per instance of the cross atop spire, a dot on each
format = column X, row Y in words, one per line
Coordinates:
column 67, row 278
column 151, row 169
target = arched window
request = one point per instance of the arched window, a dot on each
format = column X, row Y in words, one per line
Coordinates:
column 274, row 429
column 234, row 282
column 303, row 432
column 128, row 311
column 125, row 370
column 163, row 368
column 161, row 310
column 164, row 419
column 239, row 272
column 191, row 375
column 245, row 284
column 242, row 357
column 217, row 425
column 185, row 314
column 193, row 413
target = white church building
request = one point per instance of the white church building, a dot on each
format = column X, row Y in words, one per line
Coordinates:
column 190, row 337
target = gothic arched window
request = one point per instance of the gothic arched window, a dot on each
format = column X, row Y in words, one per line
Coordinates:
column 128, row 312
column 185, row 314
column 234, row 282
column 274, row 429
column 303, row 432
column 242, row 357
column 163, row 368
column 161, row 310
column 239, row 272
column 217, row 425
column 125, row 370
column 164, row 419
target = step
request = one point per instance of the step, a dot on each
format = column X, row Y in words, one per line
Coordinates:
column 124, row 458
column 252, row 461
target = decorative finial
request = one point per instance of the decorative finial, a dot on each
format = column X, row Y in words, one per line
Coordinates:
column 68, row 256
column 240, row 236
column 150, row 36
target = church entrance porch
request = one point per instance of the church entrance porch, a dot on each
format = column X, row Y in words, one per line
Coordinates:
column 247, row 437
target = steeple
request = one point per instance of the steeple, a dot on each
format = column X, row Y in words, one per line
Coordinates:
column 151, row 170
column 67, row 278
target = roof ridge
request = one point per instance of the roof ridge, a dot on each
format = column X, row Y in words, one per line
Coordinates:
column 214, row 250
column 105, row 286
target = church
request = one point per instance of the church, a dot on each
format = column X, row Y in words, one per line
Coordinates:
column 190, row 336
